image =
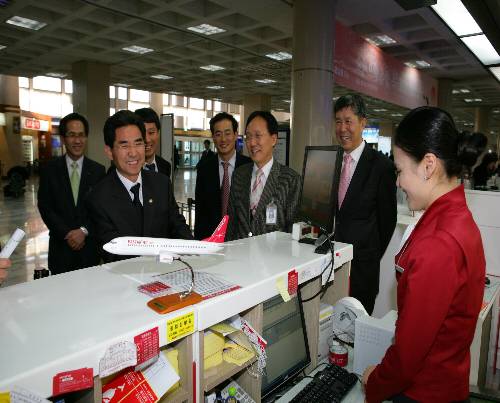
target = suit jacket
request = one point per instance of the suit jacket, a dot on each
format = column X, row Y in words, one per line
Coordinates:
column 208, row 195
column 58, row 211
column 111, row 210
column 204, row 155
column 282, row 187
column 163, row 165
column 367, row 218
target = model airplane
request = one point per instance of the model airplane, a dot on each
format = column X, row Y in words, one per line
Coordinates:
column 168, row 249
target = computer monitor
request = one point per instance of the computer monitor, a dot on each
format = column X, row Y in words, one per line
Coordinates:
column 320, row 181
column 287, row 348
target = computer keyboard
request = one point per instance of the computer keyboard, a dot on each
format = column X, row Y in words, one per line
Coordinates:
column 329, row 385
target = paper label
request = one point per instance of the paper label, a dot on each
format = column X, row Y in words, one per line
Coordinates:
column 180, row 326
column 155, row 289
column 148, row 347
column 120, row 387
column 118, row 356
column 282, row 289
column 4, row 397
column 21, row 395
column 71, row 381
column 293, row 282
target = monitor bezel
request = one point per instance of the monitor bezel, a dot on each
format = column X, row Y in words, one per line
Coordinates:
column 295, row 370
column 335, row 188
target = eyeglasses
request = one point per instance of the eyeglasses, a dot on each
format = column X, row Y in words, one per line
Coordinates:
column 73, row 135
column 257, row 137
column 129, row 146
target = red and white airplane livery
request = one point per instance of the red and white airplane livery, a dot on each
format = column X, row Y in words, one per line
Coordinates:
column 167, row 249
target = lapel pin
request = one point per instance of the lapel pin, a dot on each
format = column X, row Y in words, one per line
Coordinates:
column 150, row 201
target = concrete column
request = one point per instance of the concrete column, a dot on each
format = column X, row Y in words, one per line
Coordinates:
column 91, row 99
column 445, row 88
column 253, row 102
column 156, row 102
column 482, row 119
column 312, row 76
column 11, row 152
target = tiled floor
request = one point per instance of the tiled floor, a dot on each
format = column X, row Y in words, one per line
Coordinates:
column 23, row 213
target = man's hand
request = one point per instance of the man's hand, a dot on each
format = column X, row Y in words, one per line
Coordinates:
column 4, row 265
column 75, row 239
column 367, row 373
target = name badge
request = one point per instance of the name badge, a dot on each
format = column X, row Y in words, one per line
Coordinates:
column 271, row 213
column 399, row 269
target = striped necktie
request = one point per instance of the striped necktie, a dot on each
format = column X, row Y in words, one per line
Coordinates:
column 75, row 181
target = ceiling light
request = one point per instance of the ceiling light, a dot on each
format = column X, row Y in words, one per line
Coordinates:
column 121, row 85
column 455, row 92
column 380, row 40
column 288, row 101
column 492, row 132
column 279, row 56
column 422, row 64
column 137, row 49
column 206, row 29
column 265, row 81
column 380, row 110
column 411, row 64
column 56, row 75
column 457, row 17
column 473, row 100
column 212, row 67
column 161, row 77
column 175, row 92
column 464, row 91
column 215, row 87
column 482, row 48
column 26, row 23
column 2, row 47
column 496, row 72
column 396, row 114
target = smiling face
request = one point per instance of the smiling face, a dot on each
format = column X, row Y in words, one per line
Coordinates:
column 152, row 137
column 260, row 143
column 224, row 138
column 128, row 152
column 349, row 128
column 75, row 139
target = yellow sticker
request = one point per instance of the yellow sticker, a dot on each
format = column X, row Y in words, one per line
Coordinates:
column 4, row 397
column 180, row 326
column 280, row 285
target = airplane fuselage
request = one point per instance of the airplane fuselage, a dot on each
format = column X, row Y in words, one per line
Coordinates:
column 146, row 246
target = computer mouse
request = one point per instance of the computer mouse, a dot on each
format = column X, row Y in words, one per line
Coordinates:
column 486, row 280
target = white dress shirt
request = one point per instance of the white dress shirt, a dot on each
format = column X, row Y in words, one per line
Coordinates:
column 266, row 169
column 355, row 155
column 128, row 185
column 79, row 161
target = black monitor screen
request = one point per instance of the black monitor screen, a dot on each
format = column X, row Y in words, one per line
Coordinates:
column 320, row 177
column 287, row 349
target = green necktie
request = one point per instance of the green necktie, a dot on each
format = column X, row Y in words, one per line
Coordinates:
column 75, row 181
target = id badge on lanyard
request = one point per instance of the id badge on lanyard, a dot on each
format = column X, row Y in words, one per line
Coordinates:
column 271, row 213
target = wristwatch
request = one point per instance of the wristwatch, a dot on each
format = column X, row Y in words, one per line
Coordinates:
column 85, row 231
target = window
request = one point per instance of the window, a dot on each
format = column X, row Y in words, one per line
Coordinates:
column 112, row 92
column 165, row 99
column 196, row 103
column 132, row 106
column 24, row 82
column 217, row 106
column 47, row 83
column 122, row 93
column 209, row 104
column 139, row 96
column 195, row 119
column 112, row 111
column 179, row 101
column 68, row 86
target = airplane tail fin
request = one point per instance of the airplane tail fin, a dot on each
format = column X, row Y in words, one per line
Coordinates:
column 220, row 232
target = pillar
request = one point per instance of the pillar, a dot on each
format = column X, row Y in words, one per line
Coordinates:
column 445, row 94
column 253, row 102
column 481, row 121
column 312, row 76
column 11, row 151
column 91, row 99
column 156, row 102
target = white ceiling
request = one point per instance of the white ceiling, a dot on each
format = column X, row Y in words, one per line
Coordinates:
column 99, row 29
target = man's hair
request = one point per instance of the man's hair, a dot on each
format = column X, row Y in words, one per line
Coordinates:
column 148, row 115
column 353, row 101
column 271, row 122
column 121, row 119
column 63, row 124
column 221, row 116
column 206, row 142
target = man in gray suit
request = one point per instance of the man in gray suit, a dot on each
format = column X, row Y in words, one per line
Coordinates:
column 264, row 195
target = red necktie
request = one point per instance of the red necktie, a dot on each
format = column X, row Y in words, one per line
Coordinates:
column 345, row 177
column 225, row 188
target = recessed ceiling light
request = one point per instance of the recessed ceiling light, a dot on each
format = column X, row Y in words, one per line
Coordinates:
column 279, row 109
column 457, row 17
column 2, row 47
column 26, row 23
column 161, row 77
column 206, row 29
column 215, row 87
column 482, row 48
column 455, row 91
column 422, row 64
column 411, row 64
column 380, row 110
column 121, row 85
column 496, row 72
column 212, row 67
column 396, row 114
column 380, row 40
column 478, row 100
column 473, row 100
column 464, row 91
column 175, row 92
column 492, row 132
column 56, row 75
column 279, row 56
column 468, row 100
column 138, row 49
column 288, row 101
column 265, row 81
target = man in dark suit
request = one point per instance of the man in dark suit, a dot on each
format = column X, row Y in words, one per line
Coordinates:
column 206, row 153
column 64, row 185
column 366, row 215
column 213, row 178
column 152, row 123
column 131, row 201
column 264, row 195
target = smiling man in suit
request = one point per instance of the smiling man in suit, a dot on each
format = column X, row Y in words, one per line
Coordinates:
column 131, row 201
column 64, row 184
column 367, row 212
column 264, row 195
column 213, row 179
column 152, row 123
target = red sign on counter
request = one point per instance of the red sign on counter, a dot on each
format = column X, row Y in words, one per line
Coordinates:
column 148, row 345
column 72, row 381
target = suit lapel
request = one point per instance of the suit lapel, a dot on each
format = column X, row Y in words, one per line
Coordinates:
column 271, row 184
column 122, row 201
column 359, row 176
column 65, row 182
column 84, row 180
column 244, row 195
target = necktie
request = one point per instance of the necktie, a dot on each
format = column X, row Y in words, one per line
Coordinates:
column 75, row 181
column 345, row 177
column 225, row 188
column 257, row 189
column 151, row 167
column 135, row 190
